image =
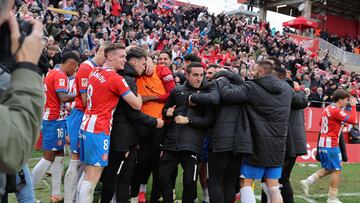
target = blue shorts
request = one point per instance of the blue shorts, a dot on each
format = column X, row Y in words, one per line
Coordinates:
column 53, row 133
column 257, row 172
column 330, row 158
column 205, row 150
column 96, row 148
column 73, row 123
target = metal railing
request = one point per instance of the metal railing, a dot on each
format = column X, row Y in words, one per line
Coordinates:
column 323, row 104
column 344, row 57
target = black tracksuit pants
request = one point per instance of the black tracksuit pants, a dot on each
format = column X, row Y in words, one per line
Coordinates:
column 287, row 192
column 116, row 177
column 224, row 170
column 148, row 159
column 168, row 163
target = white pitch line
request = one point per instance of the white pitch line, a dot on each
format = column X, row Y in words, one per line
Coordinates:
column 341, row 194
column 309, row 200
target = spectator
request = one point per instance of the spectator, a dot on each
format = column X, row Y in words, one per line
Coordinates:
column 354, row 133
column 317, row 98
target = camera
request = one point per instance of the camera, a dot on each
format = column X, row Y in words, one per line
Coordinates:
column 6, row 57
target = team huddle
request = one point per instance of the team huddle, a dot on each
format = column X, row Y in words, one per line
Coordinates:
column 131, row 118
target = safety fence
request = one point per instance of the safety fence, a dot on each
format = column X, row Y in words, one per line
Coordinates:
column 344, row 57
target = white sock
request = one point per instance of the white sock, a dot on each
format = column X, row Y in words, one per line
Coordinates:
column 79, row 187
column 56, row 175
column 39, row 171
column 312, row 179
column 113, row 200
column 333, row 193
column 143, row 188
column 87, row 192
column 205, row 194
column 247, row 195
column 266, row 191
column 275, row 194
column 81, row 169
column 71, row 181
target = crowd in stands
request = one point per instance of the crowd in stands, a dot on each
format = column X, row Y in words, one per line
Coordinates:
column 230, row 42
column 346, row 43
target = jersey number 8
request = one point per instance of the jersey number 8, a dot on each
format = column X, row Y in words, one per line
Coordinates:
column 106, row 144
column 90, row 91
column 324, row 125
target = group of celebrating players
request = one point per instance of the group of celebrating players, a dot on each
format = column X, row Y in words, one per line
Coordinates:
column 131, row 119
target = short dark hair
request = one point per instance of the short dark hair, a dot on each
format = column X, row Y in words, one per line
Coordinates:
column 280, row 72
column 277, row 62
column 113, row 46
column 193, row 65
column 267, row 65
column 69, row 55
column 192, row 58
column 213, row 65
column 340, row 94
column 167, row 52
column 136, row 52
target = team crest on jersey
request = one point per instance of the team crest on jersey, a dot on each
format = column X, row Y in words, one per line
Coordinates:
column 62, row 82
column 343, row 113
column 125, row 83
column 84, row 82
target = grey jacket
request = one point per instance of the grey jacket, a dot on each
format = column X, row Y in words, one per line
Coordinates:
column 21, row 106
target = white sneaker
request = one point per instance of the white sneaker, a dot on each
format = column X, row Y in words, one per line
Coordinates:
column 333, row 200
column 205, row 199
column 134, row 200
column 305, row 187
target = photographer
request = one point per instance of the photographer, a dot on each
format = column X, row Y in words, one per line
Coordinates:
column 21, row 104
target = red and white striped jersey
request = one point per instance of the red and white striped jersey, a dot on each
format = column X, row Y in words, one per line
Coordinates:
column 104, row 89
column 81, row 81
column 54, row 82
column 331, row 121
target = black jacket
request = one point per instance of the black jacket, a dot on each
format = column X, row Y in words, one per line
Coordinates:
column 187, row 137
column 296, row 139
column 316, row 100
column 126, row 119
column 228, row 132
column 268, row 102
column 231, row 130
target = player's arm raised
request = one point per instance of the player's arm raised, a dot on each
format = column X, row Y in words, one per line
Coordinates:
column 352, row 117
